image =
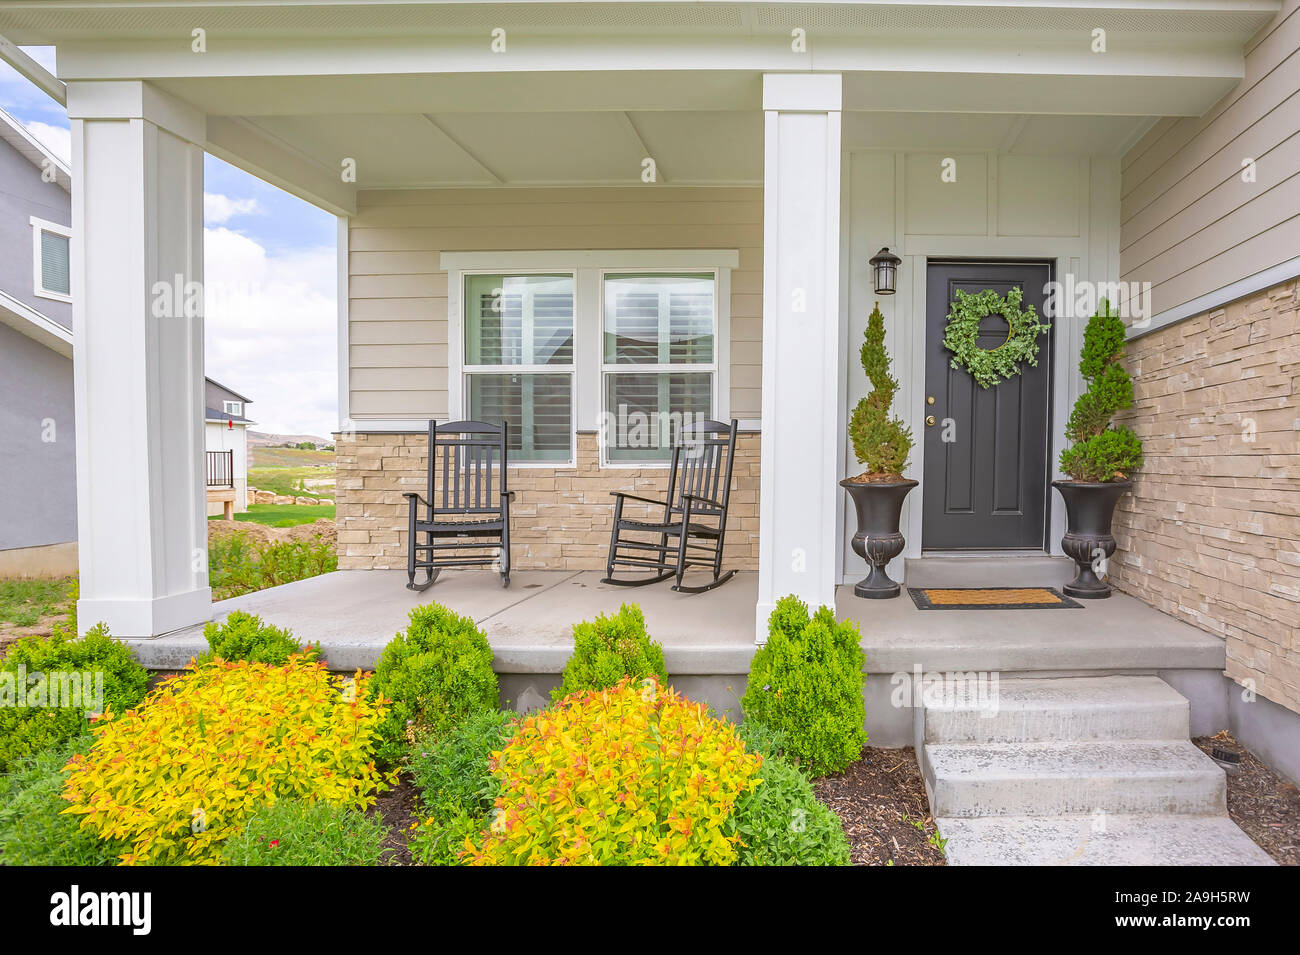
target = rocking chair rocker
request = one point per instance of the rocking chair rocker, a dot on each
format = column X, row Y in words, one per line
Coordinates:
column 460, row 518
column 694, row 517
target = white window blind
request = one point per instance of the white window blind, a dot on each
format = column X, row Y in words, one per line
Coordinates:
column 518, row 360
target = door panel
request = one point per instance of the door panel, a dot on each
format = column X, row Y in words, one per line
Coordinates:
column 986, row 487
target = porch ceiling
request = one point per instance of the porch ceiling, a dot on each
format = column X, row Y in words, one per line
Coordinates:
column 414, row 94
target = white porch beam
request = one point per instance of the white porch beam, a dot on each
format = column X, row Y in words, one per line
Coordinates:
column 247, row 146
column 798, row 534
column 137, row 217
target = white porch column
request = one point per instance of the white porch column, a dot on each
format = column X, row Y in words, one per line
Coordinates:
column 798, row 533
column 137, row 244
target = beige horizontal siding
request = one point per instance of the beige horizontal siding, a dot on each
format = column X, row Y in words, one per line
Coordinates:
column 1189, row 224
column 397, row 293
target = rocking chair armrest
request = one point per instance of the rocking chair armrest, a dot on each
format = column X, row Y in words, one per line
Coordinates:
column 637, row 497
column 701, row 499
column 508, row 495
column 412, row 497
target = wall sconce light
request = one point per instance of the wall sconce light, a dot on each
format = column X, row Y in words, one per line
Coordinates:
column 884, row 266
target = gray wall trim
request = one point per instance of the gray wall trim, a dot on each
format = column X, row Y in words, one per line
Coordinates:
column 1220, row 297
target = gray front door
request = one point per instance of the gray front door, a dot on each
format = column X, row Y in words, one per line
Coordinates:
column 986, row 468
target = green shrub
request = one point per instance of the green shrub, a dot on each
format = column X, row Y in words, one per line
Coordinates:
column 34, row 830
column 782, row 823
column 453, row 773
column 299, row 832
column 238, row 565
column 1099, row 452
column 608, row 649
column 61, row 660
column 880, row 442
column 244, row 637
column 437, row 672
column 806, row 681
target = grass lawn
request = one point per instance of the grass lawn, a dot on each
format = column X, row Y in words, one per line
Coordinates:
column 284, row 515
column 23, row 601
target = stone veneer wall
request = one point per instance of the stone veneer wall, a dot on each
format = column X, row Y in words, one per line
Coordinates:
column 1211, row 532
column 560, row 518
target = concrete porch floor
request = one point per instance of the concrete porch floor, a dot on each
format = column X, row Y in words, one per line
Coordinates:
column 353, row 614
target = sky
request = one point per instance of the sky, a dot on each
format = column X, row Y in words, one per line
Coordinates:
column 270, row 279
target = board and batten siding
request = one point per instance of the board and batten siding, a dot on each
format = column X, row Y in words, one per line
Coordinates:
column 397, row 293
column 1190, row 224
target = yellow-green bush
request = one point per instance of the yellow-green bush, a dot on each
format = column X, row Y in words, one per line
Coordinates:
column 181, row 774
column 632, row 775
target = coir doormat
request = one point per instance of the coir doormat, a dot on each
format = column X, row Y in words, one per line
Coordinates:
column 990, row 598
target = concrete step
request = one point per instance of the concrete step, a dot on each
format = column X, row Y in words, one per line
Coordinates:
column 1039, row 570
column 1109, row 839
column 1055, row 778
column 1066, row 709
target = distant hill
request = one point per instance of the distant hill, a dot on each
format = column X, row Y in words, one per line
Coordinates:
column 258, row 440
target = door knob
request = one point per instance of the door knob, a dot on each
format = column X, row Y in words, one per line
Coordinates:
column 929, row 420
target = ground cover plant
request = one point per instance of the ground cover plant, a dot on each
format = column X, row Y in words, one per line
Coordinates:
column 806, row 681
column 436, row 673
column 608, row 649
column 34, row 829
column 180, row 775
column 302, row 832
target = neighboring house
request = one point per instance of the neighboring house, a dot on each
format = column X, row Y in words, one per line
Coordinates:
column 678, row 203
column 38, row 483
column 225, row 438
column 38, row 486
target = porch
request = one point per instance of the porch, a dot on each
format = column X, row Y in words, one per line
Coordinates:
column 887, row 131
column 708, row 640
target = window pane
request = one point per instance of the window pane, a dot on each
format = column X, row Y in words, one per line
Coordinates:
column 644, row 412
column 538, row 407
column 518, row 319
column 663, row 319
column 54, row 263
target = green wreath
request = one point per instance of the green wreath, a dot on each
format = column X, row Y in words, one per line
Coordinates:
column 990, row 366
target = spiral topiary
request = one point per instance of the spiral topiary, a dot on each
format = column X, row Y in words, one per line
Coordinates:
column 1098, row 452
column 880, row 442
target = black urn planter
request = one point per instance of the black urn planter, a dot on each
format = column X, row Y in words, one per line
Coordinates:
column 878, row 540
column 1089, row 509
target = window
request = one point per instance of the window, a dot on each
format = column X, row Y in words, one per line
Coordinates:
column 660, row 332
column 233, row 407
column 519, row 360
column 51, row 264
column 624, row 344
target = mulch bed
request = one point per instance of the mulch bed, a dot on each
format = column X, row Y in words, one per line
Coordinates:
column 396, row 807
column 1265, row 805
column 881, row 801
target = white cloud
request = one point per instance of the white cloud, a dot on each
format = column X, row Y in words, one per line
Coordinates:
column 54, row 138
column 271, row 330
column 219, row 209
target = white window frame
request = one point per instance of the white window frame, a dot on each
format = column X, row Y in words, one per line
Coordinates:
column 38, row 274
column 606, row 368
column 588, row 267
column 233, row 407
column 458, row 398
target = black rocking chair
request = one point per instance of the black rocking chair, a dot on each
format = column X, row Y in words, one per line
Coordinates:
column 694, row 517
column 461, row 518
